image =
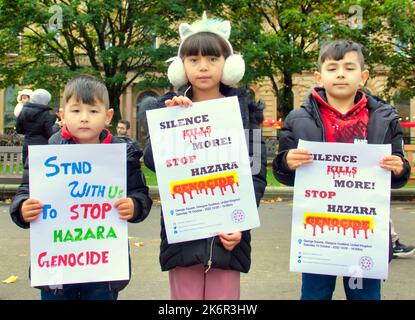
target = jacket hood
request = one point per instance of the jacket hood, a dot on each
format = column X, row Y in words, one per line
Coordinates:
column 373, row 103
column 31, row 111
column 64, row 135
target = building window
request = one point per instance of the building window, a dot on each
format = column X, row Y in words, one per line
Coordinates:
column 10, row 102
column 402, row 103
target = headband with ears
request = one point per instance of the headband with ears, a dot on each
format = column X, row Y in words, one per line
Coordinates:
column 234, row 67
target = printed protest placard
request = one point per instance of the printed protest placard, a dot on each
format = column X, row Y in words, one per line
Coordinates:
column 79, row 237
column 341, row 211
column 203, row 169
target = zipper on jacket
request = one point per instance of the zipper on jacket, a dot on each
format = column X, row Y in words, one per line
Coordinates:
column 209, row 263
column 319, row 118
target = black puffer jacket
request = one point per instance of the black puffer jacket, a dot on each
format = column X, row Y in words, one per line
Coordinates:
column 199, row 251
column 306, row 123
column 35, row 122
column 136, row 187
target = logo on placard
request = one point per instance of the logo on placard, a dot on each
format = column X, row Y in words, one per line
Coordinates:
column 366, row 263
column 238, row 216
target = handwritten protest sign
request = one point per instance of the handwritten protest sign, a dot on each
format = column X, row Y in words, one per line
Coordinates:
column 341, row 211
column 203, row 169
column 79, row 237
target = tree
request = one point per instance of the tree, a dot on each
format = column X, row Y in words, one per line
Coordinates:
column 281, row 38
column 400, row 39
column 47, row 42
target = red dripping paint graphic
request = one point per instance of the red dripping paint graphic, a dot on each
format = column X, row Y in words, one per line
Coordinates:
column 336, row 171
column 192, row 134
column 339, row 222
column 198, row 185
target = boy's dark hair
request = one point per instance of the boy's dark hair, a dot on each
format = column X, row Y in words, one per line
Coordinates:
column 126, row 122
column 206, row 44
column 336, row 50
column 87, row 89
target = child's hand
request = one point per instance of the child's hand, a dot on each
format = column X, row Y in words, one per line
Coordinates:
column 392, row 163
column 298, row 157
column 31, row 209
column 230, row 240
column 178, row 101
column 125, row 208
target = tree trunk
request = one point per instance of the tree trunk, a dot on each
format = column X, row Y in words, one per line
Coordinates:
column 276, row 90
column 114, row 97
column 286, row 96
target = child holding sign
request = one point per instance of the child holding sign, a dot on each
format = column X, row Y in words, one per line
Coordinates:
column 338, row 111
column 85, row 113
column 204, row 69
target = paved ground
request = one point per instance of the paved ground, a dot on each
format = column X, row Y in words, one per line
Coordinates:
column 268, row 279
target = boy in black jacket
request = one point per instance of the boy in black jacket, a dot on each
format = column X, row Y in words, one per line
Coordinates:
column 85, row 114
column 338, row 111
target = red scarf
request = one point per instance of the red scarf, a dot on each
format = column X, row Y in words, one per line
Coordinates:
column 67, row 135
column 350, row 127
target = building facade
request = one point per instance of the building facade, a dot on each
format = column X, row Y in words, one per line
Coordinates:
column 130, row 100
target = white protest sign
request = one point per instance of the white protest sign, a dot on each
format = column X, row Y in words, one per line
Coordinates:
column 203, row 169
column 79, row 237
column 341, row 209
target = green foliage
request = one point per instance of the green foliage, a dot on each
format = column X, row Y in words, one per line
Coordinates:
column 44, row 43
column 279, row 39
column 115, row 40
column 400, row 42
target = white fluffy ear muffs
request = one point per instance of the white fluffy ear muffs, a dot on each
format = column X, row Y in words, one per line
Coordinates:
column 234, row 68
column 233, row 71
column 176, row 73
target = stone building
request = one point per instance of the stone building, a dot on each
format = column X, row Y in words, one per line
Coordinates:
column 263, row 91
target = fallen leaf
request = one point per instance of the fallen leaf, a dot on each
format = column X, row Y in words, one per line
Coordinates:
column 8, row 200
column 10, row 279
column 273, row 200
column 131, row 238
column 139, row 244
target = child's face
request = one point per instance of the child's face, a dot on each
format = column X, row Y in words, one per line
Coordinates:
column 85, row 122
column 204, row 72
column 24, row 99
column 342, row 78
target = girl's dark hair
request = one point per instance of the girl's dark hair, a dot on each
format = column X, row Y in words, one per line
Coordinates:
column 87, row 89
column 337, row 49
column 206, row 44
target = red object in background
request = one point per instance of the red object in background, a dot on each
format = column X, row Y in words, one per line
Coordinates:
column 408, row 124
column 272, row 123
column 278, row 124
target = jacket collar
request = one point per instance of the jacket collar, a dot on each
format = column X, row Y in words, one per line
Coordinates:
column 104, row 137
column 380, row 115
column 320, row 95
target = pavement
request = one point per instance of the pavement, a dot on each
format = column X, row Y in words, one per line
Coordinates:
column 268, row 279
